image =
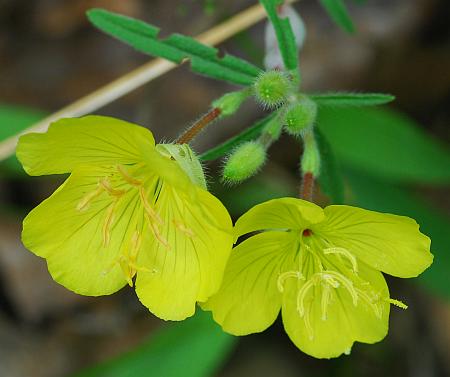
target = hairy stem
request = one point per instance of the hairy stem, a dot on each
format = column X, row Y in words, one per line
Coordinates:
column 198, row 126
column 307, row 189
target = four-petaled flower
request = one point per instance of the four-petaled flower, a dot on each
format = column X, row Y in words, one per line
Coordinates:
column 129, row 210
column 321, row 267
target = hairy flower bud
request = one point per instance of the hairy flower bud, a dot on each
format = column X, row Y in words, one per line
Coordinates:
column 230, row 102
column 300, row 116
column 244, row 162
column 272, row 88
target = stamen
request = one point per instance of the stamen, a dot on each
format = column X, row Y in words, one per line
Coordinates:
column 84, row 203
column 154, row 217
column 128, row 177
column 302, row 294
column 315, row 256
column 347, row 283
column 180, row 226
column 308, row 326
column 397, row 303
column 106, row 184
column 326, row 295
column 286, row 275
column 344, row 252
column 370, row 301
column 106, row 229
column 158, row 235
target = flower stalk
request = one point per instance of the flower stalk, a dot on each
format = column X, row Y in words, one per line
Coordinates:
column 199, row 126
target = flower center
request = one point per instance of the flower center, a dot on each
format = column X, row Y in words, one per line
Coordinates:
column 323, row 272
column 124, row 184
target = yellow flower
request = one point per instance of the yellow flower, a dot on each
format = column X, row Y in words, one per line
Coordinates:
column 129, row 209
column 321, row 267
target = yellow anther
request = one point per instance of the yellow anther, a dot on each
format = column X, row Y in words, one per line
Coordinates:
column 85, row 202
column 397, row 303
column 151, row 213
column 345, row 253
column 329, row 280
column 302, row 295
column 106, row 229
column 371, row 301
column 106, row 185
column 308, row 326
column 128, row 177
column 347, row 283
column 181, row 227
column 136, row 241
column 286, row 275
column 158, row 235
column 315, row 256
column 325, row 300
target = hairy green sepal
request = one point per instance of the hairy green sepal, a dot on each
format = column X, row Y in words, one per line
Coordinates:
column 187, row 160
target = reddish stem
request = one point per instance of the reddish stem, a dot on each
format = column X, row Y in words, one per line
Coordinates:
column 198, row 126
column 307, row 189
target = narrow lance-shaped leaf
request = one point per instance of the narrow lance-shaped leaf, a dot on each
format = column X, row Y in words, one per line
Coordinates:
column 351, row 99
column 176, row 48
column 338, row 12
column 285, row 35
column 249, row 133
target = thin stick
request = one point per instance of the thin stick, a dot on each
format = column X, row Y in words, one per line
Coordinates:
column 137, row 77
column 198, row 126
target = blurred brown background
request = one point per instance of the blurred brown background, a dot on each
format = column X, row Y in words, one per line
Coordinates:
column 50, row 56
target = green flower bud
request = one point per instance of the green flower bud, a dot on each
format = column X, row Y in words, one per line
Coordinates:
column 230, row 102
column 244, row 162
column 300, row 116
column 272, row 87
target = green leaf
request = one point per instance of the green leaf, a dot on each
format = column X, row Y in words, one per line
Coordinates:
column 196, row 347
column 385, row 144
column 338, row 12
column 380, row 196
column 330, row 178
column 284, row 33
column 176, row 48
column 351, row 99
column 249, row 133
column 13, row 120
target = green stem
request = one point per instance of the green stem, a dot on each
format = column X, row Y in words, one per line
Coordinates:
column 249, row 133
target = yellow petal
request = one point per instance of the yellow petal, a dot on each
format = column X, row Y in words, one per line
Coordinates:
column 82, row 229
column 344, row 323
column 187, row 254
column 79, row 141
column 249, row 299
column 389, row 243
column 282, row 214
